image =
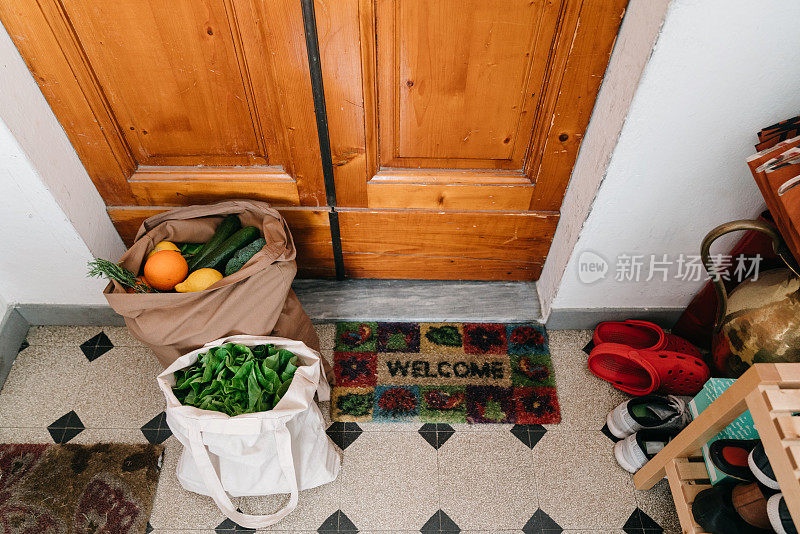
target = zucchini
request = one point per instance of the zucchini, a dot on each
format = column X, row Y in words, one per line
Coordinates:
column 228, row 248
column 243, row 255
column 226, row 228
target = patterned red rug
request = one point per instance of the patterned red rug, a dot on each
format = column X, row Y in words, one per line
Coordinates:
column 443, row 372
column 77, row 489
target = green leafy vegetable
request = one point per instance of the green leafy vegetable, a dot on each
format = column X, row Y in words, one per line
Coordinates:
column 289, row 369
column 190, row 249
column 236, row 379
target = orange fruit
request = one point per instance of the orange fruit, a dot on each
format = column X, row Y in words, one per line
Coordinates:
column 164, row 269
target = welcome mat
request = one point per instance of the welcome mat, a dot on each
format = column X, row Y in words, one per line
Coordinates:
column 65, row 489
column 444, row 373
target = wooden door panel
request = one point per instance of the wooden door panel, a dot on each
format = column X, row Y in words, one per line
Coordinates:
column 310, row 230
column 462, row 234
column 345, row 65
column 175, row 88
column 390, row 266
column 179, row 186
column 446, row 196
column 457, row 82
column 454, row 78
column 461, row 92
column 472, row 113
column 465, row 244
column 583, row 72
column 176, row 85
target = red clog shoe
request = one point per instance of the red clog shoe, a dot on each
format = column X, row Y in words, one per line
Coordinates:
column 642, row 372
column 641, row 335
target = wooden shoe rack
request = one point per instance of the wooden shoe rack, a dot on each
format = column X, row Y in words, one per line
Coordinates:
column 772, row 394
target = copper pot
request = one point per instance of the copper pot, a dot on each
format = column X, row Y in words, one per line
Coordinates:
column 760, row 320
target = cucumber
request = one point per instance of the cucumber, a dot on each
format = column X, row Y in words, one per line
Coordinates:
column 226, row 228
column 243, row 255
column 228, row 248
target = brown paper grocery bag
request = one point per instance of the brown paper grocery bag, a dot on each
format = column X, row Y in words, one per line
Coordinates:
column 256, row 300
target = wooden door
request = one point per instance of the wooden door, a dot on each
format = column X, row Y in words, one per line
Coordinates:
column 183, row 101
column 455, row 125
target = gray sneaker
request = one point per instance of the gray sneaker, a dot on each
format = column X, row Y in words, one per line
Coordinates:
column 667, row 413
column 639, row 448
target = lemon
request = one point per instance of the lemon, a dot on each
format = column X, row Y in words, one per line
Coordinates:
column 199, row 280
column 163, row 245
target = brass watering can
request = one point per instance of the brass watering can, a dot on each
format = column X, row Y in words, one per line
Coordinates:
column 759, row 322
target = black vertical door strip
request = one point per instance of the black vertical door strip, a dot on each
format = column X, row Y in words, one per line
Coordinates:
column 318, row 90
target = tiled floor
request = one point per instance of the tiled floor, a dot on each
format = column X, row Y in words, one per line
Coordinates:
column 90, row 384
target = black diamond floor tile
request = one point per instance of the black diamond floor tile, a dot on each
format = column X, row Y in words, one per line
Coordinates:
column 65, row 427
column 641, row 523
column 148, row 529
column 541, row 523
column 439, row 522
column 23, row 346
column 229, row 527
column 609, row 435
column 156, row 429
column 96, row 346
column 337, row 522
column 436, row 433
column 589, row 346
column 529, row 434
column 344, row 434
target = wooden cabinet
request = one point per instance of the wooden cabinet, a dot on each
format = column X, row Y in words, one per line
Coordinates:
column 454, row 124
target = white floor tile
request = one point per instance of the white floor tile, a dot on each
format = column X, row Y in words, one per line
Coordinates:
column 120, row 390
column 43, row 385
column 579, row 483
column 389, row 481
column 487, row 481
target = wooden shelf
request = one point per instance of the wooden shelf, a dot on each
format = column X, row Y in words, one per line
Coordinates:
column 687, row 477
column 772, row 394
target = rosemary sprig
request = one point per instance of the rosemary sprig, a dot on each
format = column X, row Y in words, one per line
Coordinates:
column 101, row 268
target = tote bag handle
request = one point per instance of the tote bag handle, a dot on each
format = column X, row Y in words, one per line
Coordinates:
column 213, row 484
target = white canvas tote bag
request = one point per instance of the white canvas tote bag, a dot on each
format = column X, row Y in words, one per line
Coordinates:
column 282, row 450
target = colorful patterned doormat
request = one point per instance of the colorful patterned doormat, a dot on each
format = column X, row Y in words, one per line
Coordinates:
column 65, row 489
column 443, row 372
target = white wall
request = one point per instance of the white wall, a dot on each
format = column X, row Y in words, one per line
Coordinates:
column 720, row 71
column 44, row 258
column 53, row 220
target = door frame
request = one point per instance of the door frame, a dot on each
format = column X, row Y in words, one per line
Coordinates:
column 635, row 42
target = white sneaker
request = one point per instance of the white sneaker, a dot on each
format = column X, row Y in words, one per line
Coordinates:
column 778, row 514
column 759, row 465
column 668, row 413
column 637, row 449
